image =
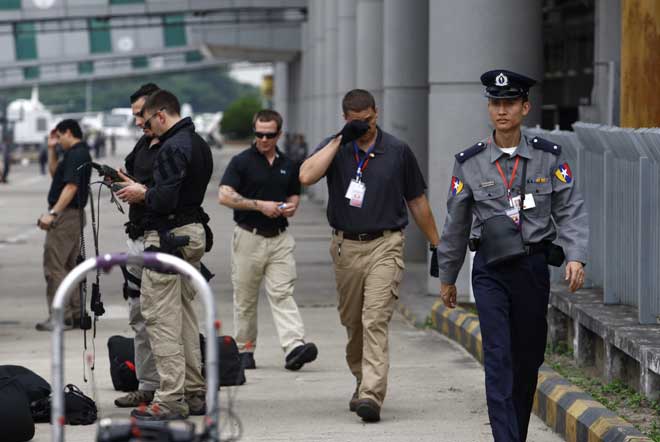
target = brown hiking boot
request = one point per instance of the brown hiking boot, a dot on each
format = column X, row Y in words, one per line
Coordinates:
column 162, row 411
column 196, row 403
column 135, row 399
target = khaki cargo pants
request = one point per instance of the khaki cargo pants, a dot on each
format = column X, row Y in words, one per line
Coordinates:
column 145, row 366
column 254, row 259
column 368, row 275
column 167, row 303
column 61, row 250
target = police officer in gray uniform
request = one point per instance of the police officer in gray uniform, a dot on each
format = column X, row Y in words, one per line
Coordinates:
column 510, row 197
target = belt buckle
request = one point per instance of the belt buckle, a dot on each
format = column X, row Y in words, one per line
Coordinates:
column 363, row 236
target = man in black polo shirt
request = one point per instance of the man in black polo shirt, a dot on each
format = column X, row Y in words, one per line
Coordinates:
column 261, row 185
column 371, row 177
column 68, row 193
column 139, row 164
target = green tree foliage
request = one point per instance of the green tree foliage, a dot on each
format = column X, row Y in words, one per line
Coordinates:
column 237, row 118
column 208, row 90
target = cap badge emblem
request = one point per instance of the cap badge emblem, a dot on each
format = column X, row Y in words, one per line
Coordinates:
column 501, row 80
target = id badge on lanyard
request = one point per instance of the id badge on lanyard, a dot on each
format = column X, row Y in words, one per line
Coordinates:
column 357, row 189
column 513, row 211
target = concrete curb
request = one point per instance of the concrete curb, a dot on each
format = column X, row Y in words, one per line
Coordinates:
column 567, row 409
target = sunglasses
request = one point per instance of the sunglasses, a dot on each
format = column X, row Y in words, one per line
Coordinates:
column 147, row 122
column 268, row 135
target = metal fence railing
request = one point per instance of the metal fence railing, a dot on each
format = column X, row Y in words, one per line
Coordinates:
column 618, row 171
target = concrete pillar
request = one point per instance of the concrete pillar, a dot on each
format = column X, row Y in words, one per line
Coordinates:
column 607, row 56
column 294, row 98
column 307, row 75
column 330, row 67
column 281, row 93
column 317, row 29
column 346, row 48
column 369, row 49
column 465, row 40
column 405, row 91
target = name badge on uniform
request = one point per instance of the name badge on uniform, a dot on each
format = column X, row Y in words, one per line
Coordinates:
column 355, row 193
column 529, row 202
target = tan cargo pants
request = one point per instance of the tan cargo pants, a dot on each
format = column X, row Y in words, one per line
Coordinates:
column 368, row 275
column 253, row 259
column 145, row 366
column 61, row 249
column 167, row 303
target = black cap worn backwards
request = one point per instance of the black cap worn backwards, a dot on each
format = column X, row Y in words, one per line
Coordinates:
column 501, row 83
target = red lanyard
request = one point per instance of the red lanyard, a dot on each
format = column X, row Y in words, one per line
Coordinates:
column 508, row 184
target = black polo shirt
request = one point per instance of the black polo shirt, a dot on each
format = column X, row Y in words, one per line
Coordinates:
column 250, row 174
column 69, row 171
column 140, row 165
column 391, row 177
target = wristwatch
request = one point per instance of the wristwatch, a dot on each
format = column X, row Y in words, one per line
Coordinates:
column 53, row 213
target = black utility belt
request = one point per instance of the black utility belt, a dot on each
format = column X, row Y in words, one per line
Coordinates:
column 173, row 222
column 266, row 233
column 530, row 248
column 554, row 253
column 365, row 236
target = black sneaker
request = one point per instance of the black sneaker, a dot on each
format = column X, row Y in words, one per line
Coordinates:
column 368, row 410
column 301, row 355
column 247, row 360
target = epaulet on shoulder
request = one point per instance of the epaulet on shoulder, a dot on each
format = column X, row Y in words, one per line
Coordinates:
column 470, row 152
column 545, row 145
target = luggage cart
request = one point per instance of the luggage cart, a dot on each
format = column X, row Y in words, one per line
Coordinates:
column 112, row 429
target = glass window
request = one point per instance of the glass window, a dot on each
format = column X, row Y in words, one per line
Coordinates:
column 139, row 62
column 6, row 5
column 86, row 67
column 31, row 72
column 25, row 38
column 193, row 57
column 99, row 36
column 175, row 30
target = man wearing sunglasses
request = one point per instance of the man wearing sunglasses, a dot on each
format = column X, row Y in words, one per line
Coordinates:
column 371, row 176
column 139, row 164
column 261, row 185
column 181, row 173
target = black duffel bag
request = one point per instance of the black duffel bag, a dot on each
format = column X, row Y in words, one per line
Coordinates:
column 15, row 415
column 34, row 385
column 122, row 363
column 231, row 371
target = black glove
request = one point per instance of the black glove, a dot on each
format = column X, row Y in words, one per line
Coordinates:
column 353, row 130
column 435, row 270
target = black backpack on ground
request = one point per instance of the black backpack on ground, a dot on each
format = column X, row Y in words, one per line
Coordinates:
column 79, row 409
column 122, row 363
column 231, row 370
column 15, row 416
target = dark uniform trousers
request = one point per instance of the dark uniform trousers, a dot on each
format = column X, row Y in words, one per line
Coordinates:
column 512, row 302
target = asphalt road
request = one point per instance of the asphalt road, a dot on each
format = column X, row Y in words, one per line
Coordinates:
column 436, row 390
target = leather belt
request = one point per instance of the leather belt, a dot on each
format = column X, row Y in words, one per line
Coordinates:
column 263, row 232
column 366, row 236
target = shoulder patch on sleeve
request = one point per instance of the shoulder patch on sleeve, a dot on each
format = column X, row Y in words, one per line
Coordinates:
column 470, row 152
column 545, row 145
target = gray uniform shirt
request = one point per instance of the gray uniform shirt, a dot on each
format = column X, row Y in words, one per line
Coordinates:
column 477, row 192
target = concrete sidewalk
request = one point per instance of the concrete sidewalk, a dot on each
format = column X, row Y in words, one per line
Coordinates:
column 436, row 390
